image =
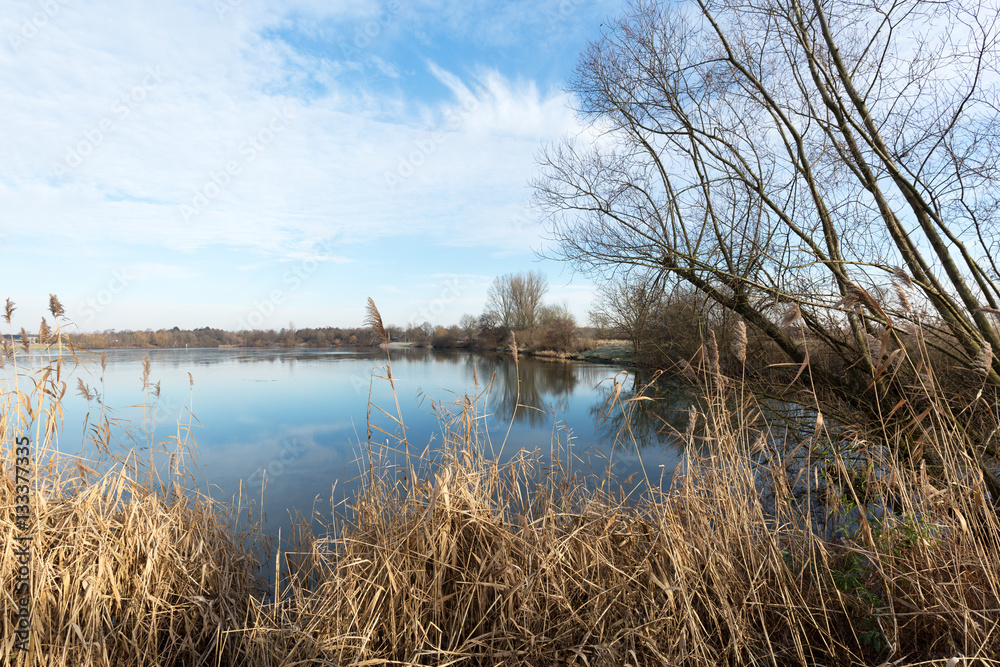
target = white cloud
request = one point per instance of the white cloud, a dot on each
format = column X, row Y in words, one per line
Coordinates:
column 163, row 131
column 186, row 161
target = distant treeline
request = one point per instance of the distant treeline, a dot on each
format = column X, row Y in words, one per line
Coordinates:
column 476, row 333
column 426, row 334
column 514, row 306
column 210, row 337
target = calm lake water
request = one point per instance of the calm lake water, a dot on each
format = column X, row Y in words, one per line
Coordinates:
column 298, row 417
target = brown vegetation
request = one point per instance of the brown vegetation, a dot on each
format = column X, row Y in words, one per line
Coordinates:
column 827, row 550
column 209, row 337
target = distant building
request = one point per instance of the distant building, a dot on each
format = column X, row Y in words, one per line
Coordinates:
column 15, row 339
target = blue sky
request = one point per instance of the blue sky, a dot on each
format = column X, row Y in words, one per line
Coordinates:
column 233, row 163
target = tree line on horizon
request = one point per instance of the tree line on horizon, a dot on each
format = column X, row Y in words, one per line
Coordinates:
column 514, row 305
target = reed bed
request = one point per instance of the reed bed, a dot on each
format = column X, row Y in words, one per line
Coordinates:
column 480, row 562
column 462, row 557
column 126, row 567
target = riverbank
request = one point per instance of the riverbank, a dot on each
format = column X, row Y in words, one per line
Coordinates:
column 603, row 351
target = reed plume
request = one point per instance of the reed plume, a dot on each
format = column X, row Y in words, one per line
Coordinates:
column 904, row 277
column 984, row 359
column 904, row 300
column 740, row 343
column 44, row 332
column 712, row 353
column 792, row 315
column 83, row 390
column 55, row 307
column 864, row 297
column 374, row 320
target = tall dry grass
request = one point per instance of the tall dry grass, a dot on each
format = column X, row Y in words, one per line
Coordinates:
column 829, row 550
column 128, row 567
column 764, row 551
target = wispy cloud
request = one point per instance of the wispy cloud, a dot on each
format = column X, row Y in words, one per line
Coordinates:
column 247, row 130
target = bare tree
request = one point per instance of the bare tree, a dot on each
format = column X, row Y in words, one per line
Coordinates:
column 628, row 303
column 765, row 152
column 469, row 325
column 797, row 157
column 515, row 299
column 559, row 327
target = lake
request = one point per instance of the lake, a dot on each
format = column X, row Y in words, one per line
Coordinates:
column 297, row 418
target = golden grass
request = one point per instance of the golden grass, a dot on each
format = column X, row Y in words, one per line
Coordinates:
column 126, row 568
column 469, row 560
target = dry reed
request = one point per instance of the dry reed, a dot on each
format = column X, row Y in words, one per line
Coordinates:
column 478, row 561
column 126, row 569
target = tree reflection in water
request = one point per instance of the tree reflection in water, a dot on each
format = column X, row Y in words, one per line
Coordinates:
column 650, row 422
column 543, row 385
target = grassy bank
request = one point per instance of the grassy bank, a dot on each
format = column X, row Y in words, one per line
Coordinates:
column 612, row 351
column 766, row 550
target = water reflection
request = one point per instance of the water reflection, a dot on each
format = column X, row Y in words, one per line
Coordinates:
column 292, row 423
column 643, row 423
column 530, row 401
